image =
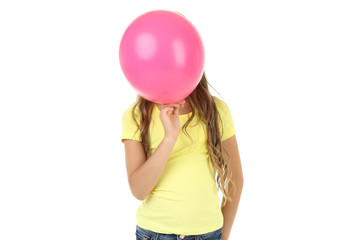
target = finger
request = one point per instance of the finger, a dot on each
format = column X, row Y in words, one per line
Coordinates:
column 171, row 111
column 182, row 102
column 161, row 107
column 179, row 104
column 173, row 105
column 176, row 111
column 167, row 110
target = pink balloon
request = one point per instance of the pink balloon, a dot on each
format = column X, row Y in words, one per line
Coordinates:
column 162, row 56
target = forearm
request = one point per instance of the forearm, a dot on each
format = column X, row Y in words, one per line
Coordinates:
column 229, row 211
column 145, row 178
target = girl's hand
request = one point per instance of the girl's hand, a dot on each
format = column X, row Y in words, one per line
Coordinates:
column 169, row 117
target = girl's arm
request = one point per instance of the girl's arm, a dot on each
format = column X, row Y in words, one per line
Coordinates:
column 230, row 208
column 143, row 174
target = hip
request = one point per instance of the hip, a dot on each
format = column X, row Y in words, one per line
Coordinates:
column 145, row 234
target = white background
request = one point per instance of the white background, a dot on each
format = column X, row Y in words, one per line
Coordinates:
column 288, row 70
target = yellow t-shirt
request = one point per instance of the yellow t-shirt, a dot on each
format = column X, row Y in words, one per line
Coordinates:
column 185, row 199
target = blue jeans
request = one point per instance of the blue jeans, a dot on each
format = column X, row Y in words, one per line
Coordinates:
column 144, row 234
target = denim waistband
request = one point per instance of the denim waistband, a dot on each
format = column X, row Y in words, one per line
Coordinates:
column 146, row 234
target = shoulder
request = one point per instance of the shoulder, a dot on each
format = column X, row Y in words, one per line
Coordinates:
column 221, row 105
column 128, row 111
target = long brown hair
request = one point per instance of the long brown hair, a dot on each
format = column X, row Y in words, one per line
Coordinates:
column 201, row 100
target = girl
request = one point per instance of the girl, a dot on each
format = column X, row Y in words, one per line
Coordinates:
column 172, row 153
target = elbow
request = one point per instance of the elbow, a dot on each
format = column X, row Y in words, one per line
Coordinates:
column 137, row 189
column 139, row 195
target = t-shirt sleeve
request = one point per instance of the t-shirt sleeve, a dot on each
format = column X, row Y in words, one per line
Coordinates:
column 226, row 126
column 129, row 127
